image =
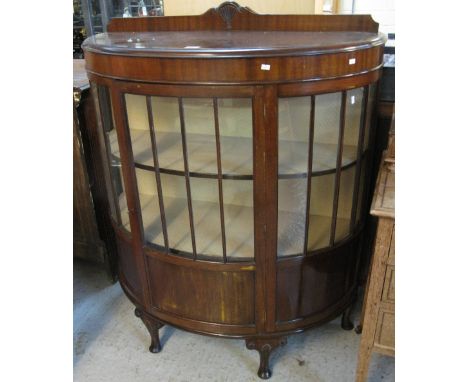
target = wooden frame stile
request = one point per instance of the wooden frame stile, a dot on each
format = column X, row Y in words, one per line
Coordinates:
column 270, row 155
column 259, row 217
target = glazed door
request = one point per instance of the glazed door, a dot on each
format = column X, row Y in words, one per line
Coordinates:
column 191, row 157
column 323, row 157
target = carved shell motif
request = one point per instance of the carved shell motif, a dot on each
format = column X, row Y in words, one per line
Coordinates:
column 228, row 9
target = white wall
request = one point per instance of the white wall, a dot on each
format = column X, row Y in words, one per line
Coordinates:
column 197, row 7
column 382, row 11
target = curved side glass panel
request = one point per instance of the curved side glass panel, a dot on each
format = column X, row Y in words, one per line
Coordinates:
column 110, row 155
column 320, row 151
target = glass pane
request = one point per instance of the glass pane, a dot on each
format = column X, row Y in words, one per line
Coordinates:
column 140, row 134
column 149, row 204
column 326, row 132
column 117, row 198
column 239, row 219
column 320, row 211
column 293, row 137
column 370, row 109
column 293, row 146
column 352, row 124
column 177, row 213
column 293, row 134
column 235, row 130
column 137, row 117
column 345, row 203
column 206, row 216
column 200, row 135
column 292, row 204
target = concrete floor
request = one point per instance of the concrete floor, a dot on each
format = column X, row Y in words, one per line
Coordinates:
column 111, row 344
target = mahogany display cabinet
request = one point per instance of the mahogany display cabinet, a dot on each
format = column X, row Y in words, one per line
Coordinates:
column 237, row 148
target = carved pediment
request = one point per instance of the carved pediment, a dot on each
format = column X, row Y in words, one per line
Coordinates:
column 228, row 10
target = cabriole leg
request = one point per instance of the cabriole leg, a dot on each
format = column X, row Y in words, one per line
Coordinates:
column 346, row 322
column 153, row 327
column 265, row 346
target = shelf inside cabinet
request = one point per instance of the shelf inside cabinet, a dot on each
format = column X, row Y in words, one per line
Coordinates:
column 239, row 237
column 239, row 219
column 236, row 155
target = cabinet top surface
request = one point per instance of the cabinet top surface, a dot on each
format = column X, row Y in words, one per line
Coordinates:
column 220, row 44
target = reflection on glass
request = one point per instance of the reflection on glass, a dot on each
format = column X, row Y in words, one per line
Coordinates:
column 292, row 206
column 114, row 186
column 370, row 110
column 321, row 211
column 345, row 202
column 294, row 127
column 354, row 99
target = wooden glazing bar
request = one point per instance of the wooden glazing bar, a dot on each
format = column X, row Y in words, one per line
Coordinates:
column 338, row 167
column 195, row 174
column 309, row 185
column 309, row 170
column 154, row 147
column 106, row 153
column 357, row 175
column 220, row 177
column 187, row 177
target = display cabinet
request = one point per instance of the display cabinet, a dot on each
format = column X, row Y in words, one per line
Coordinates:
column 238, row 148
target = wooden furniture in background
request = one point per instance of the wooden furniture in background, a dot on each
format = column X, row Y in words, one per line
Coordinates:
column 378, row 321
column 93, row 237
column 237, row 150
